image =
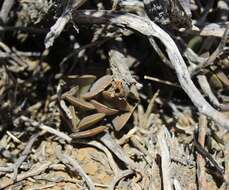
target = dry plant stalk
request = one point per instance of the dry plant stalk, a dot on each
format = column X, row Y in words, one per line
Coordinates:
column 67, row 160
column 202, row 183
column 165, row 160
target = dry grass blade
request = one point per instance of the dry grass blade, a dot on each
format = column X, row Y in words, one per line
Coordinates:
column 149, row 109
column 214, row 55
column 165, row 160
column 75, row 120
column 161, row 81
column 81, row 80
column 223, row 78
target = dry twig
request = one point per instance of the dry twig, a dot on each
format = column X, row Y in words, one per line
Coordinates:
column 35, row 170
column 6, row 7
column 165, row 160
column 201, row 177
column 118, row 178
column 67, row 160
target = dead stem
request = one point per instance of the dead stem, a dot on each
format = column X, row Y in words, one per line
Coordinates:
column 201, row 177
column 35, row 170
column 165, row 160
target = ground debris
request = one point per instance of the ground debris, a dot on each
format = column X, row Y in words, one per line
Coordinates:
column 114, row 94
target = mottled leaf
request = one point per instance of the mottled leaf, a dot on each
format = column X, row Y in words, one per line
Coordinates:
column 80, row 80
column 101, row 108
column 89, row 133
column 134, row 92
column 73, row 91
column 116, row 102
column 79, row 103
column 98, row 86
column 223, row 78
column 120, row 120
column 90, row 120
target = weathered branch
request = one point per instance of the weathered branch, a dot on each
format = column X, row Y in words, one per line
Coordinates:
column 151, row 30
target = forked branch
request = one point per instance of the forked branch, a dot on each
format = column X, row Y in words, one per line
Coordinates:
column 151, row 30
